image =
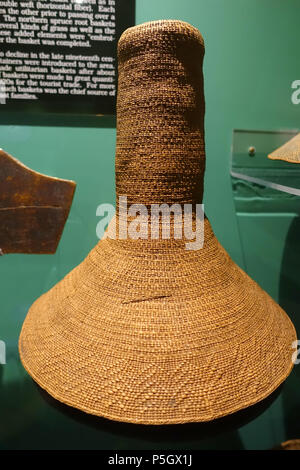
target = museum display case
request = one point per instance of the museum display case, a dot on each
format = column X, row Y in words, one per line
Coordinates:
column 118, row 343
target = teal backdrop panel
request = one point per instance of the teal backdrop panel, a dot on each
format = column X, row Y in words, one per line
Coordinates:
column 252, row 50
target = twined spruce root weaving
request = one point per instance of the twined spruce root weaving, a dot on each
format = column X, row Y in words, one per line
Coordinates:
column 289, row 152
column 145, row 331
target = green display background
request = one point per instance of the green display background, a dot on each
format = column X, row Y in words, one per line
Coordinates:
column 252, row 57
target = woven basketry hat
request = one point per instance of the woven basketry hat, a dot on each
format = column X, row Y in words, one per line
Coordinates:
column 289, row 152
column 144, row 330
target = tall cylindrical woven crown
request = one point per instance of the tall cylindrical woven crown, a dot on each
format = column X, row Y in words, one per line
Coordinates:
column 160, row 152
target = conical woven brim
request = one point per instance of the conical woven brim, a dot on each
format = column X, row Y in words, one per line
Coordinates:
column 289, row 152
column 157, row 336
column 292, row 444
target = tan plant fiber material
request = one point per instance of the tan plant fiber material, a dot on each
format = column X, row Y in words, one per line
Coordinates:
column 145, row 331
column 292, row 444
column 289, row 152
